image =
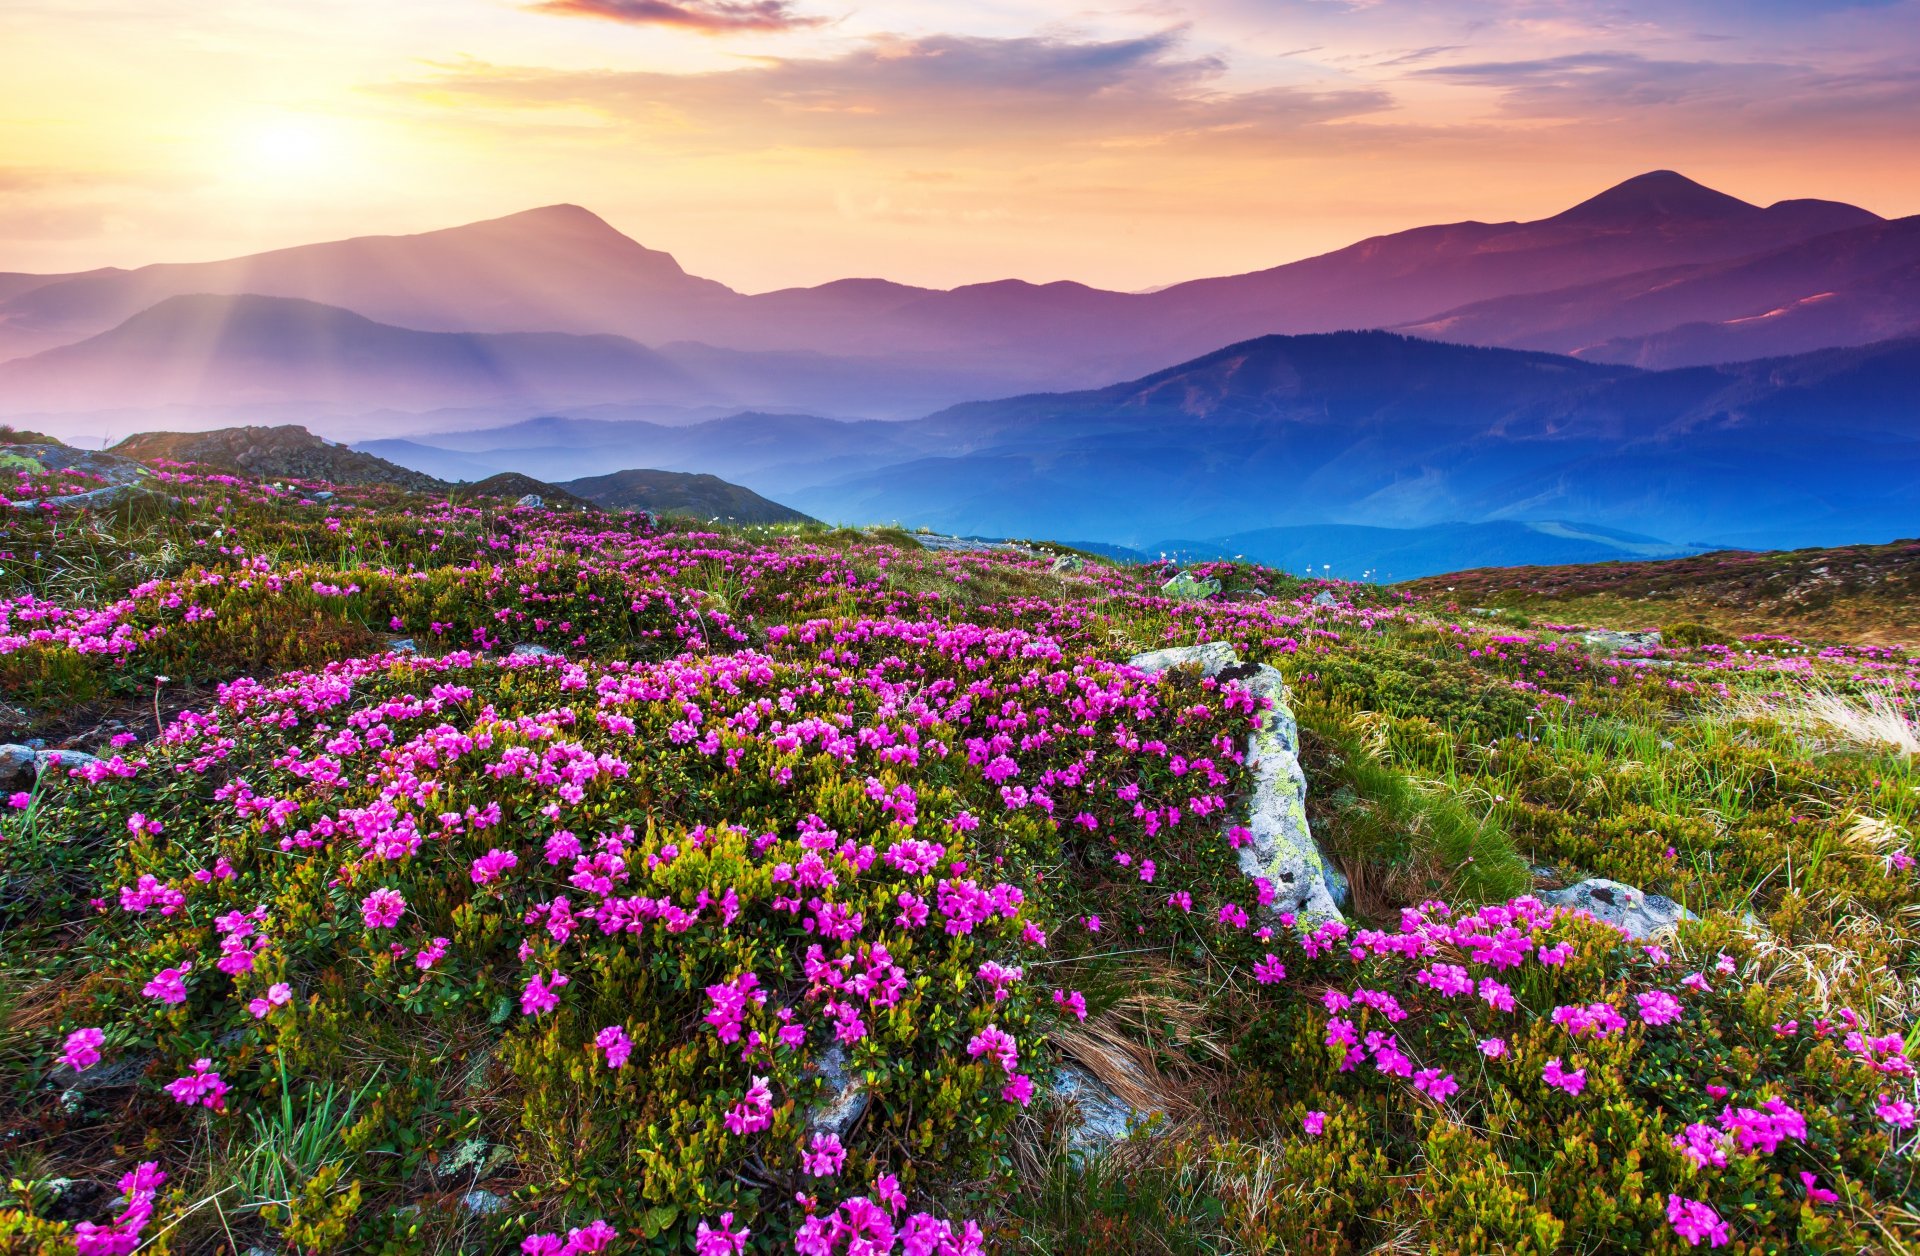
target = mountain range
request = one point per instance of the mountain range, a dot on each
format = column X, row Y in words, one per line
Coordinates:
column 1660, row 365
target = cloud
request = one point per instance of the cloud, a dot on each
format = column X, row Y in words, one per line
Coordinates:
column 926, row 92
column 709, row 17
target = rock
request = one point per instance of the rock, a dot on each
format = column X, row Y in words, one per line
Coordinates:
column 1212, row 658
column 1610, row 642
column 18, row 767
column 1096, row 1117
column 64, row 760
column 324, row 495
column 112, row 1073
column 1640, row 914
column 1282, row 850
column 481, row 1203
column 531, row 501
column 1324, row 598
column 846, row 1099
column 962, row 544
column 1069, row 562
column 529, row 650
column 403, row 645
column 1187, row 587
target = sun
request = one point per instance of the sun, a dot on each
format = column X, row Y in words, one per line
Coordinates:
column 285, row 147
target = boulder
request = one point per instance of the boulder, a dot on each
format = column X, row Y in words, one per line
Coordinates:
column 1283, row 849
column 324, row 495
column 531, row 501
column 18, row 768
column 1639, row 914
column 63, row 760
column 1069, row 562
column 121, row 478
column 482, row 1203
column 530, row 650
column 846, row 1098
column 1187, row 587
column 1607, row 641
column 1324, row 598
column 403, row 645
column 1095, row 1116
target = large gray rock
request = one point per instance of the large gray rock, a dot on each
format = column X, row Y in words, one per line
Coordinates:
column 1095, row 1116
column 1069, row 562
column 1187, row 587
column 532, row 501
column 1324, row 598
column 120, row 478
column 1639, row 914
column 17, row 768
column 61, row 762
column 1607, row 641
column 846, row 1098
column 1282, row 850
column 532, row 650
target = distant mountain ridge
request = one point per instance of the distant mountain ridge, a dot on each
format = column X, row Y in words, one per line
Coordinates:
column 561, row 269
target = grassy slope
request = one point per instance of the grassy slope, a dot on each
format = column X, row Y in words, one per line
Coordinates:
column 1862, row 593
column 1443, row 753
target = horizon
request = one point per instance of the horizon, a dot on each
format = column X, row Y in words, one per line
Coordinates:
column 929, row 143
column 1253, row 266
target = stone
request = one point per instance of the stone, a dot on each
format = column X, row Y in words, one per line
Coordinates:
column 1068, row 562
column 403, row 645
column 324, row 495
column 531, row 501
column 1283, row 849
column 1096, row 1117
column 962, row 544
column 1608, row 641
column 18, row 767
column 530, row 650
column 111, row 1073
column 482, row 1203
column 1187, row 587
column 1640, row 914
column 846, row 1098
column 1324, row 598
column 64, row 760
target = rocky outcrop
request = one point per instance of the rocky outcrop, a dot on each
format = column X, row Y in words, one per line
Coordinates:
column 1282, row 850
column 1187, row 587
column 121, row 478
column 1095, row 1117
column 1634, row 911
column 846, row 1098
column 1607, row 641
column 1068, row 563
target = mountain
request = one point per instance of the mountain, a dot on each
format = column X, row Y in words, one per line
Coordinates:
column 1848, row 287
column 1367, row 429
column 890, row 350
column 273, row 453
column 558, row 268
column 229, row 350
column 663, row 492
column 1357, row 552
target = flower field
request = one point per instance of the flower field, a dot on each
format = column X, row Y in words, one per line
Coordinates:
column 449, row 878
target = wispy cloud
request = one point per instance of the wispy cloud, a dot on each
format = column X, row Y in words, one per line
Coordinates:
column 928, row 92
column 709, row 17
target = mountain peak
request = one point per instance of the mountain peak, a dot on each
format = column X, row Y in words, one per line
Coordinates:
column 1657, row 194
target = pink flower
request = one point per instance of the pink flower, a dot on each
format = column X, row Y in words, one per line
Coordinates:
column 20, row 801
column 431, row 954
column 1072, row 1001
column 1269, row 969
column 1572, row 1082
column 615, row 1044
column 382, row 909
column 755, row 1109
column 1019, row 1089
column 720, row 1239
column 202, row 1086
column 1696, row 1222
column 1314, row 1123
column 1093, row 924
column 1493, row 1048
column 169, row 985
column 1896, row 1112
column 824, row 1156
column 1817, row 1194
column 278, row 995
column 540, row 994
column 1657, row 1007
column 1431, row 1082
column 82, row 1050
column 491, row 866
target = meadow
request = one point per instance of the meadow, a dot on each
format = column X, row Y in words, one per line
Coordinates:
column 449, row 876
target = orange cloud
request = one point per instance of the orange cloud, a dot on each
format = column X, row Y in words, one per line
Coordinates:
column 710, row 17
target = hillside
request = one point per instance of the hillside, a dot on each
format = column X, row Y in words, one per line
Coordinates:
column 414, row 877
column 1868, row 593
column 676, row 492
column 273, row 452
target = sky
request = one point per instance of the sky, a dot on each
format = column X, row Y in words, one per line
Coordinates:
column 771, row 143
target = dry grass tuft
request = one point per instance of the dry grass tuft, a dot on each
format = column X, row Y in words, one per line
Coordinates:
column 1872, row 720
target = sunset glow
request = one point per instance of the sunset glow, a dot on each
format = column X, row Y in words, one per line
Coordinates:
column 781, row 143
